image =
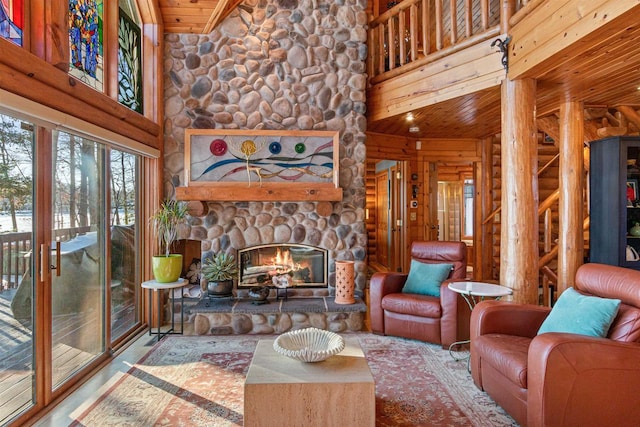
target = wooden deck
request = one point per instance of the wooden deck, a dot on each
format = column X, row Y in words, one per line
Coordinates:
column 16, row 351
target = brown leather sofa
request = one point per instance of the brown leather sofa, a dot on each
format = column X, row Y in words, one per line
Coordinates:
column 561, row 379
column 441, row 320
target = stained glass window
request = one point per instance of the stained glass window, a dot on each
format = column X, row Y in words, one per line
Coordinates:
column 85, row 41
column 12, row 20
column 129, row 59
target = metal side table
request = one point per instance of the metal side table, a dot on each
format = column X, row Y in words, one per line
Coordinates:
column 156, row 287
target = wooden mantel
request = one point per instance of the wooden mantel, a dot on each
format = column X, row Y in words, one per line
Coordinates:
column 268, row 191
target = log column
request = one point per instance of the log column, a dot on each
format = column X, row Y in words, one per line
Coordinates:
column 571, row 241
column 519, row 222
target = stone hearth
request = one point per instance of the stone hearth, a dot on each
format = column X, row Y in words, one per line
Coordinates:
column 232, row 316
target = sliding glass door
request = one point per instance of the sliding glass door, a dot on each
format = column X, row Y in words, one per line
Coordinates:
column 17, row 356
column 77, row 254
column 69, row 261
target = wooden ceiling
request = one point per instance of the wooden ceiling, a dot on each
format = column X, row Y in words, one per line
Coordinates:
column 194, row 16
column 470, row 116
column 605, row 75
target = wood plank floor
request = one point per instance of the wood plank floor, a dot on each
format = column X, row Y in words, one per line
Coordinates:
column 66, row 411
column 16, row 351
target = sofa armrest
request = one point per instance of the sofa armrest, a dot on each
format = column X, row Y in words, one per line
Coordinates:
column 382, row 284
column 502, row 317
column 580, row 380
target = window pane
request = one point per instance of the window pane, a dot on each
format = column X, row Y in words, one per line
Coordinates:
column 468, row 207
column 12, row 20
column 85, row 41
column 129, row 63
column 77, row 283
column 124, row 292
column 16, row 285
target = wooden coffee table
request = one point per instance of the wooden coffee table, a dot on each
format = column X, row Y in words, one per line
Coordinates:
column 280, row 391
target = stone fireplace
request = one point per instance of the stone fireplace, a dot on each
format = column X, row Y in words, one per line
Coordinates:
column 275, row 65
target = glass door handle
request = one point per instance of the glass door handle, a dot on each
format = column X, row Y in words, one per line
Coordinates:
column 44, row 261
column 57, row 266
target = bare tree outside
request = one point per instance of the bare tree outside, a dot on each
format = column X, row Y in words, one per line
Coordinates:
column 123, row 179
column 16, row 139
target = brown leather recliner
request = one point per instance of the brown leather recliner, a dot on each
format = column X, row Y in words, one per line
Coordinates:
column 441, row 320
column 560, row 379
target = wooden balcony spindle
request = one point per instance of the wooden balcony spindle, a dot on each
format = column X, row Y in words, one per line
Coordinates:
column 506, row 12
column 454, row 21
column 402, row 45
column 439, row 24
column 426, row 27
column 468, row 15
column 381, row 51
column 413, row 31
column 391, row 45
column 484, row 11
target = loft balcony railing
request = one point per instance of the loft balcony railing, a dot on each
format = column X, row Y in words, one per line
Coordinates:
column 412, row 33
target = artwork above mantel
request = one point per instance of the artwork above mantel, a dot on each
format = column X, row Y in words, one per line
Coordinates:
column 260, row 165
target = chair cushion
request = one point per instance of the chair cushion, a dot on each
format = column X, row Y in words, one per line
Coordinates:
column 507, row 354
column 413, row 304
column 581, row 314
column 425, row 278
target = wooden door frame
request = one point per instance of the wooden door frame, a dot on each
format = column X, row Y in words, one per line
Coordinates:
column 399, row 216
column 399, row 203
column 378, row 176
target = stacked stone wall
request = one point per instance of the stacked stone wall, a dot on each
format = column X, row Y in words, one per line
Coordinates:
column 276, row 65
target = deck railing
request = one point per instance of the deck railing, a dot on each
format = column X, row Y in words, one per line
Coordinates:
column 15, row 250
column 415, row 32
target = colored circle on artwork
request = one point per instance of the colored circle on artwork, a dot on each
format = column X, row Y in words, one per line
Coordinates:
column 218, row 147
column 275, row 147
column 300, row 148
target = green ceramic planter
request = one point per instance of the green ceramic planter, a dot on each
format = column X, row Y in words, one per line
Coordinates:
column 167, row 269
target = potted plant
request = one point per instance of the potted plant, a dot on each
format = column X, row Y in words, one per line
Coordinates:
column 219, row 272
column 164, row 224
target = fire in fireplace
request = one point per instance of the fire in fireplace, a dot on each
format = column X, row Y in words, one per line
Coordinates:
column 283, row 265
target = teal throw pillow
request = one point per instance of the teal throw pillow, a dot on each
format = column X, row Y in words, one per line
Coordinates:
column 425, row 279
column 580, row 314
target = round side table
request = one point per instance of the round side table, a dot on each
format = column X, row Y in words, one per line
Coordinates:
column 473, row 293
column 153, row 286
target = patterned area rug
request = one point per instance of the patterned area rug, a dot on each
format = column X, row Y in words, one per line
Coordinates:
column 199, row 381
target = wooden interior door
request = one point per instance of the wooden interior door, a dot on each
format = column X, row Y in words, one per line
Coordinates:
column 382, row 218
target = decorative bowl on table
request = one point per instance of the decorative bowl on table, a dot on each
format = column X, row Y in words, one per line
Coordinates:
column 309, row 344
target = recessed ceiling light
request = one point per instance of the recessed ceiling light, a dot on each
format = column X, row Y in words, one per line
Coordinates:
column 409, row 117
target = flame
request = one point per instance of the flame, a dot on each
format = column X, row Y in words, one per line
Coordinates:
column 283, row 260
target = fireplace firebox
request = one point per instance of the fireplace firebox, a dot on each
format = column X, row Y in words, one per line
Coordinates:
column 283, row 265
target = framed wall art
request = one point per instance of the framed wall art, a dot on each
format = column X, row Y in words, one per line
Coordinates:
column 260, row 165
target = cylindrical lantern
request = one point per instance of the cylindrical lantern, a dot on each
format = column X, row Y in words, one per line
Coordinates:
column 345, row 282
